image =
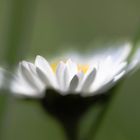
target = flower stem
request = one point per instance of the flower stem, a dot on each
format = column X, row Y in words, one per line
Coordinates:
column 105, row 108
column 71, row 129
column 96, row 126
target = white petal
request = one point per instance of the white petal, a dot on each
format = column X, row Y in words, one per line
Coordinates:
column 66, row 79
column 20, row 87
column 22, row 90
column 32, row 68
column 43, row 77
column 88, row 80
column 42, row 63
column 119, row 76
column 59, row 74
column 118, row 69
column 74, row 83
column 29, row 77
column 80, row 75
column 108, row 85
column 103, row 73
column 122, row 53
column 72, row 67
column 104, row 88
column 71, row 70
column 65, row 72
column 118, row 54
column 19, row 81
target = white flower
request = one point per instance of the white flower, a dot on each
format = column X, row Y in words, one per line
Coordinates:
column 75, row 75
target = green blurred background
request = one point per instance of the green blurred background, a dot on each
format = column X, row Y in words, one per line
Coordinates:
column 48, row 28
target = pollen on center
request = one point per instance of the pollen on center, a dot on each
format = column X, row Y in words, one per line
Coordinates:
column 54, row 66
column 81, row 67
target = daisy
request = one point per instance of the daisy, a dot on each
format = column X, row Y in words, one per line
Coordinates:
column 74, row 75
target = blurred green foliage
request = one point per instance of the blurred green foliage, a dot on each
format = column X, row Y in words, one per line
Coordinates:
column 49, row 28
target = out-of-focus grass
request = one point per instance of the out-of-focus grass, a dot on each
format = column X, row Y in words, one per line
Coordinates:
column 18, row 28
column 49, row 27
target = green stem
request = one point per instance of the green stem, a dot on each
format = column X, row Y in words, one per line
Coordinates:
column 100, row 118
column 18, row 29
column 135, row 45
column 71, row 129
column 99, row 121
column 18, row 26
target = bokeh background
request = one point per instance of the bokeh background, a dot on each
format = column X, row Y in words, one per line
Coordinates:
column 53, row 27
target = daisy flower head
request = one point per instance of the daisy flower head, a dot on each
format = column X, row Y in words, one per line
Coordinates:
column 75, row 75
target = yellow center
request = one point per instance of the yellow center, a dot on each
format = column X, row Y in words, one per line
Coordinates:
column 54, row 66
column 81, row 67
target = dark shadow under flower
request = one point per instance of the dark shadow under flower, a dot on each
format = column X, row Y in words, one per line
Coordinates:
column 70, row 108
